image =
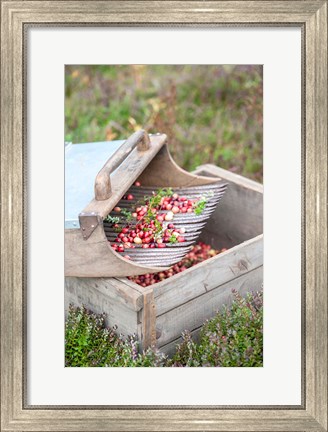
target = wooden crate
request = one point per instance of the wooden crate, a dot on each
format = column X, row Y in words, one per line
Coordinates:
column 159, row 313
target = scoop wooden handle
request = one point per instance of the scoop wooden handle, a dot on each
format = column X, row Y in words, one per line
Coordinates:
column 103, row 189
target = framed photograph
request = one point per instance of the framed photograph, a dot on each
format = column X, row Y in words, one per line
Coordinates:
column 172, row 242
column 192, row 79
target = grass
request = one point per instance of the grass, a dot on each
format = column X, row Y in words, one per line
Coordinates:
column 211, row 114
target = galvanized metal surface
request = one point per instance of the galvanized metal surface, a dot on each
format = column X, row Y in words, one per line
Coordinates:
column 193, row 224
column 82, row 164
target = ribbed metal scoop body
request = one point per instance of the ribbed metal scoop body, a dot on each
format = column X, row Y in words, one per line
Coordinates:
column 191, row 222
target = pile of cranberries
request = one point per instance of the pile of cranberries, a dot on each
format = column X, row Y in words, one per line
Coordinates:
column 153, row 228
column 176, row 204
column 144, row 235
column 200, row 252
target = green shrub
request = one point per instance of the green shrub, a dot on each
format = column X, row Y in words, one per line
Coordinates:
column 88, row 343
column 234, row 337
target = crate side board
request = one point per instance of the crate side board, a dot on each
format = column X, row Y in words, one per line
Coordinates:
column 239, row 215
column 170, row 348
column 120, row 303
column 215, row 171
column 114, row 289
column 238, row 218
column 147, row 320
column 192, row 314
column 208, row 275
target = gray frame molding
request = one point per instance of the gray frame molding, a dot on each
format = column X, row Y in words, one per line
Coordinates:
column 311, row 16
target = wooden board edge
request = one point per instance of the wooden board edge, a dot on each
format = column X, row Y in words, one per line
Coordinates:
column 111, row 287
column 213, row 170
column 257, row 273
column 157, row 287
column 170, row 347
column 148, row 320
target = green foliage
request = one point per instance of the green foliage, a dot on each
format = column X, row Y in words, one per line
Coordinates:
column 211, row 114
column 88, row 343
column 112, row 219
column 173, row 239
column 166, row 192
column 233, row 338
column 200, row 205
column 159, row 229
column 155, row 200
column 127, row 215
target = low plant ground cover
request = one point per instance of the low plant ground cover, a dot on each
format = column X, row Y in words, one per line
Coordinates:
column 89, row 343
column 234, row 337
column 211, row 113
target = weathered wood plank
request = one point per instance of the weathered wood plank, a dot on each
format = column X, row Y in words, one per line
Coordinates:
column 131, row 284
column 122, row 178
column 315, row 218
column 95, row 258
column 155, row 175
column 208, row 275
column 103, row 189
column 239, row 216
column 171, row 12
column 112, row 288
column 148, row 320
column 215, row 171
column 194, row 313
column 170, row 348
column 98, row 301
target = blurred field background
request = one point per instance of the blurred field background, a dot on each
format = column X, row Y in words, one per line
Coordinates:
column 211, row 114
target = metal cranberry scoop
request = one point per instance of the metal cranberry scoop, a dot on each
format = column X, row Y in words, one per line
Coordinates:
column 192, row 223
column 98, row 175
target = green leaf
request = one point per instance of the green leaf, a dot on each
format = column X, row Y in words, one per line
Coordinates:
column 112, row 219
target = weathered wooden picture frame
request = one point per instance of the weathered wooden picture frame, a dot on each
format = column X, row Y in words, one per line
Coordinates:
column 311, row 17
